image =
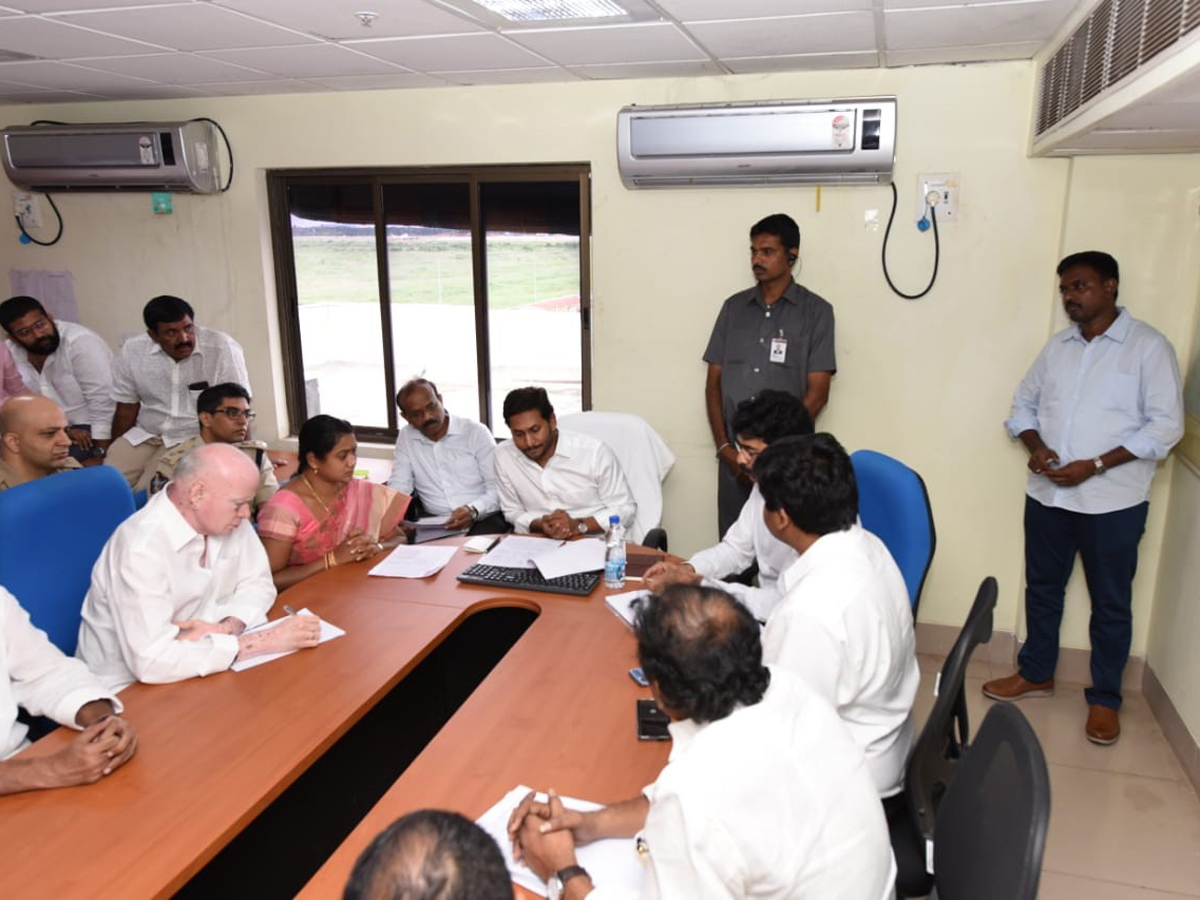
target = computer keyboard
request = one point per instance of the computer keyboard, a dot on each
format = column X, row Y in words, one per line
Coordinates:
column 580, row 583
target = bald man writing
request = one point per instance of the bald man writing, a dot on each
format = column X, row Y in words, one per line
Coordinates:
column 33, row 440
column 180, row 581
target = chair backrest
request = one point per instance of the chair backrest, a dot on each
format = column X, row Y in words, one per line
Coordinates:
column 894, row 506
column 643, row 455
column 934, row 761
column 991, row 829
column 53, row 530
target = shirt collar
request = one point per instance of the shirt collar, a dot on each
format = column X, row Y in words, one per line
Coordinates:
column 791, row 294
column 823, row 547
column 179, row 533
column 1117, row 331
column 455, row 427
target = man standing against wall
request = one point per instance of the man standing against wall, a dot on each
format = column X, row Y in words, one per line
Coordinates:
column 776, row 334
column 1101, row 405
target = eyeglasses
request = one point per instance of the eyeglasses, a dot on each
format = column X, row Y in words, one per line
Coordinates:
column 233, row 412
column 39, row 325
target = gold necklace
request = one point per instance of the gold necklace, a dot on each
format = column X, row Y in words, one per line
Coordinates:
column 317, row 496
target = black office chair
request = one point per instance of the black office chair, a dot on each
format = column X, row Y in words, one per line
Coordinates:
column 934, row 760
column 992, row 823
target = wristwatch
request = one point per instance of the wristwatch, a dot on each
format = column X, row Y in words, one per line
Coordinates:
column 1098, row 462
column 554, row 887
column 583, row 526
column 474, row 513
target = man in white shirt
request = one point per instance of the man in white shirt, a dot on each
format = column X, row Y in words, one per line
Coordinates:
column 757, row 422
column 180, row 581
column 844, row 624
column 35, row 674
column 1102, row 404
column 70, row 364
column 447, row 462
column 765, row 795
column 33, row 440
column 557, row 483
column 157, row 378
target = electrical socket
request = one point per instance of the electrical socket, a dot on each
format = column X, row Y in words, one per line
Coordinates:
column 27, row 209
column 944, row 187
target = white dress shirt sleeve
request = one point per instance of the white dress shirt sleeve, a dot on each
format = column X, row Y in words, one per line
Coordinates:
column 92, row 366
column 690, row 852
column 124, row 389
column 401, row 478
column 1162, row 404
column 255, row 593
column 1024, row 413
column 483, row 448
column 735, row 553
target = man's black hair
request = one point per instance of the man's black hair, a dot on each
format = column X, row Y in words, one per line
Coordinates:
column 411, row 385
column 164, row 309
column 319, row 435
column 702, row 650
column 771, row 415
column 527, row 398
column 782, row 226
column 430, row 854
column 15, row 307
column 1103, row 264
column 812, row 480
column 210, row 398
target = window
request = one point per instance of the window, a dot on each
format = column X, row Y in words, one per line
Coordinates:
column 476, row 278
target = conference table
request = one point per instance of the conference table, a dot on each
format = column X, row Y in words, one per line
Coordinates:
column 557, row 710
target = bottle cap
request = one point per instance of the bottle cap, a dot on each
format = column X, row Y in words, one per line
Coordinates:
column 613, row 520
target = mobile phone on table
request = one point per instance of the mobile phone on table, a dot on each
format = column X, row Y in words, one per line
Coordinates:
column 639, row 676
column 652, row 722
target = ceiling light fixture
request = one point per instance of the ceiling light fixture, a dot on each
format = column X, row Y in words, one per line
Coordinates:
column 367, row 18
column 553, row 10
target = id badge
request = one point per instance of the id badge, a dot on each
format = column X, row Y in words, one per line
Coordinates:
column 779, row 350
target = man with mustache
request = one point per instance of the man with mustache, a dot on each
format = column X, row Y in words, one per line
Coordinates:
column 776, row 335
column 447, row 462
column 1100, row 406
column 70, row 364
column 157, row 378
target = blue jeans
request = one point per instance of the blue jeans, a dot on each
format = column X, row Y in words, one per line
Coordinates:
column 1107, row 543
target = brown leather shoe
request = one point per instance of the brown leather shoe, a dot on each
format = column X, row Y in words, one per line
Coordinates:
column 1103, row 725
column 1014, row 687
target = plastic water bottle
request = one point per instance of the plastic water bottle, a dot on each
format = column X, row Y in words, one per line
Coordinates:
column 614, row 554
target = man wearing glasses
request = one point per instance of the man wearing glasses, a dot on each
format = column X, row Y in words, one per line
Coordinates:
column 225, row 415
column 70, row 364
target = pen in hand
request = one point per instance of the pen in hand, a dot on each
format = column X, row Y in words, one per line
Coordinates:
column 287, row 609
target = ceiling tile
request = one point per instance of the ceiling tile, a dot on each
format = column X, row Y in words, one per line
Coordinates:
column 54, row 6
column 377, row 82
column 174, row 68
column 948, row 55
column 792, row 35
column 318, row 60
column 650, row 42
column 336, row 18
column 687, row 68
column 153, row 92
column 457, row 52
column 964, row 26
column 62, row 76
column 697, row 10
column 257, row 88
column 190, row 26
column 540, row 75
column 851, row 60
column 55, row 39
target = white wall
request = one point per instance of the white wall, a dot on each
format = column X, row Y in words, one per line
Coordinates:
column 928, row 381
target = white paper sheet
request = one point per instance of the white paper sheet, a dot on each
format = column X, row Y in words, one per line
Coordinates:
column 328, row 633
column 612, row 864
column 518, row 551
column 414, row 561
column 624, row 604
column 586, row 555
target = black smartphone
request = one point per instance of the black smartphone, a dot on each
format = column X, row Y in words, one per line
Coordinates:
column 651, row 722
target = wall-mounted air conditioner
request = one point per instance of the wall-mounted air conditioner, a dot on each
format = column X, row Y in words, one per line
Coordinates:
column 848, row 141
column 175, row 156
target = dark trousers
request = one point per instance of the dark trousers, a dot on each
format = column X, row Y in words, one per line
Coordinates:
column 731, row 497
column 1107, row 543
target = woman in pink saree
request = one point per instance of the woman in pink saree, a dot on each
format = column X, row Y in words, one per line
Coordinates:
column 324, row 516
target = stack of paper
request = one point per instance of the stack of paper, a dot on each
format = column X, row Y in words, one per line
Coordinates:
column 328, row 633
column 518, row 552
column 576, row 556
column 625, row 605
column 612, row 864
column 408, row 561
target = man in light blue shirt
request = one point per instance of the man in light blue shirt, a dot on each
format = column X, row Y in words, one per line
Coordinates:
column 448, row 462
column 1100, row 406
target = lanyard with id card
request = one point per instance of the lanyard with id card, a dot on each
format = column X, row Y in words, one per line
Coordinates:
column 779, row 348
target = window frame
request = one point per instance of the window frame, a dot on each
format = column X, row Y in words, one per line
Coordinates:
column 287, row 296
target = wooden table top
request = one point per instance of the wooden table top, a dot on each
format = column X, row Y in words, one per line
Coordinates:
column 557, row 711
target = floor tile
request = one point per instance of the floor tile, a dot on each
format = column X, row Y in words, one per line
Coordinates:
column 978, row 666
column 1056, row 886
column 1124, row 828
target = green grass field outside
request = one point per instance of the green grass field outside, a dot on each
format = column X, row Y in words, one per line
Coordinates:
column 520, row 270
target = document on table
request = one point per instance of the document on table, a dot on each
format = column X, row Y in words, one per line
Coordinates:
column 586, row 555
column 413, row 561
column 626, row 605
column 518, row 552
column 328, row 633
column 613, row 864
column 432, row 528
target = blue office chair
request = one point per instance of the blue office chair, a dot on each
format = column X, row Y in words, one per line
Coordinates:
column 53, row 530
column 894, row 506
